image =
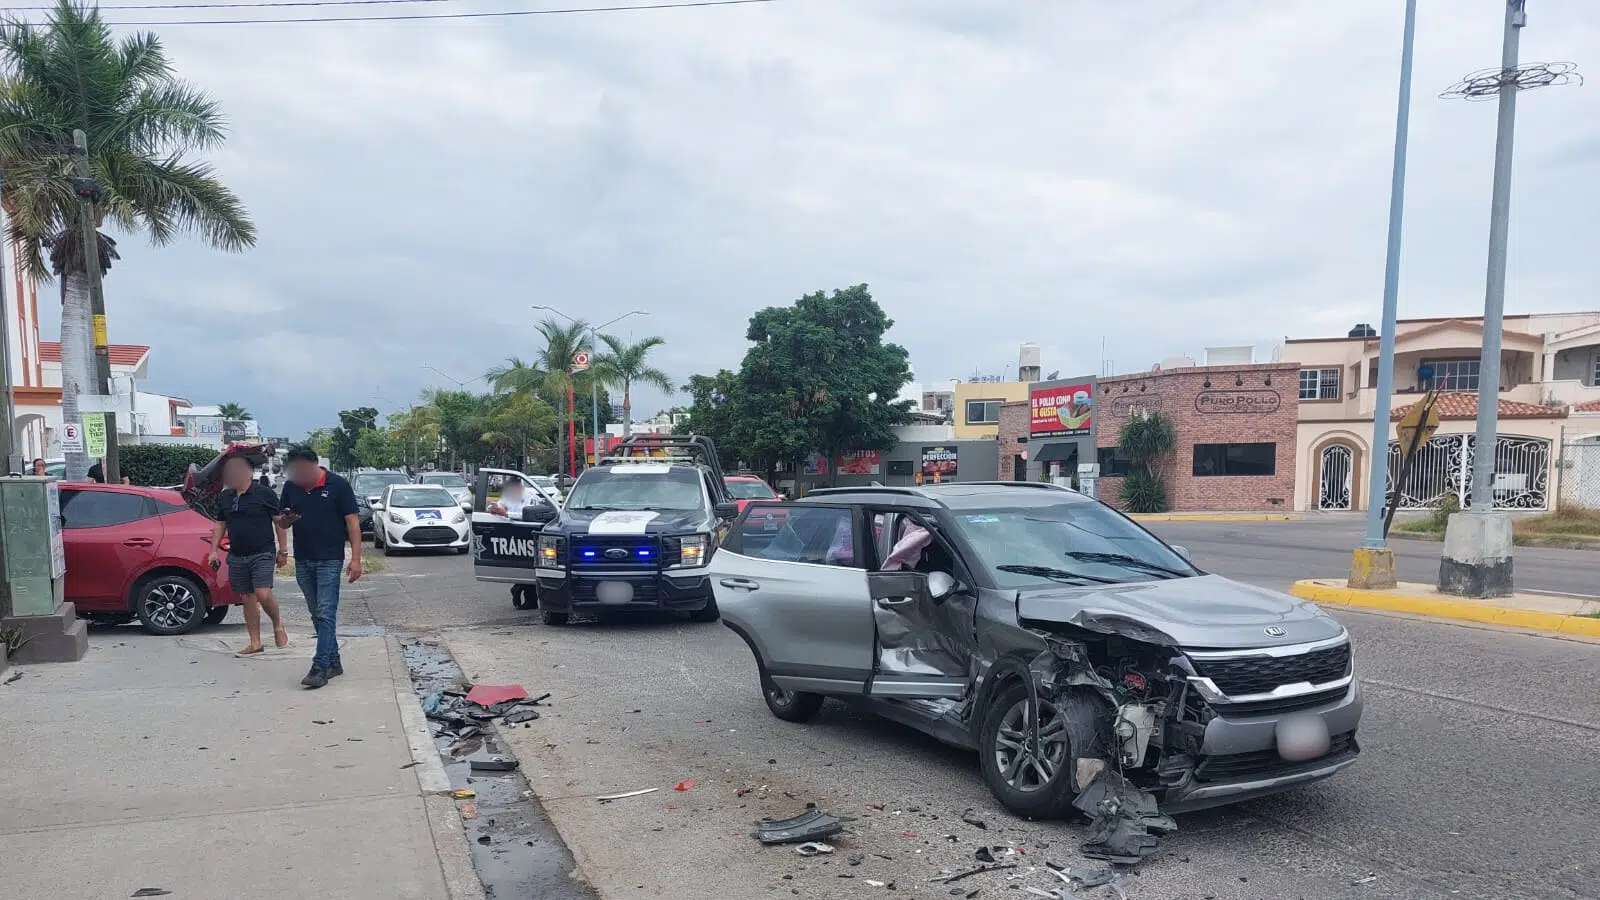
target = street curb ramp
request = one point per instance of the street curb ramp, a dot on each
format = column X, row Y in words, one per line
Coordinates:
column 1324, row 593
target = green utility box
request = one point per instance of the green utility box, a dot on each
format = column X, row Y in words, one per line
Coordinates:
column 30, row 540
column 35, row 566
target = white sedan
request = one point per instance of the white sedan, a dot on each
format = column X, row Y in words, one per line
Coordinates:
column 419, row 517
column 453, row 482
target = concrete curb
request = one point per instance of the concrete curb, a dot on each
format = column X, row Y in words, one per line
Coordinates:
column 444, row 819
column 1216, row 517
column 1519, row 540
column 1461, row 610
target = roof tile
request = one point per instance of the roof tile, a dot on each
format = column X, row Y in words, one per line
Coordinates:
column 1460, row 405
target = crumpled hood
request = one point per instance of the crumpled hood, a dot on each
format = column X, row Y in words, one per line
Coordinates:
column 597, row 522
column 1205, row 612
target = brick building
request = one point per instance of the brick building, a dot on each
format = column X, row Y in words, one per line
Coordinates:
column 1236, row 433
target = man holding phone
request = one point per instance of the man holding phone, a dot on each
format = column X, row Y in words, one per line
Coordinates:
column 320, row 508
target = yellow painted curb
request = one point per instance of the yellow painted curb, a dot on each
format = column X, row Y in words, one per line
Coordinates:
column 1220, row 517
column 1447, row 609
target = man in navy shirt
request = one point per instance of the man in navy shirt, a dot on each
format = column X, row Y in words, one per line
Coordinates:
column 320, row 508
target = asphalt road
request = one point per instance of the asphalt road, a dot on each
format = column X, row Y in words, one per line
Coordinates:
column 1476, row 780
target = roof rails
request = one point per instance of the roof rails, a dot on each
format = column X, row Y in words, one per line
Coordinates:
column 874, row 488
column 692, row 448
column 1027, row 484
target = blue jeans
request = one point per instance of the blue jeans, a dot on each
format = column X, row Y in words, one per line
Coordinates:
column 319, row 581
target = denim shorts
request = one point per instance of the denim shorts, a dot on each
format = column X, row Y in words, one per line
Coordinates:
column 248, row 574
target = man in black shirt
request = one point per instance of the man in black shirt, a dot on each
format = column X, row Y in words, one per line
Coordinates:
column 249, row 512
column 321, row 508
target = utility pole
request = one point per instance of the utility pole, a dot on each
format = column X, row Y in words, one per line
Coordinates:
column 1477, row 552
column 89, row 193
column 1372, row 565
column 8, row 405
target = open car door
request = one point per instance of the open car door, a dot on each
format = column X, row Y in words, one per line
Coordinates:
column 506, row 550
column 923, row 616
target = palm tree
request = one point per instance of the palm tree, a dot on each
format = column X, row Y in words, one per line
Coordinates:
column 624, row 366
column 516, row 377
column 235, row 411
column 142, row 122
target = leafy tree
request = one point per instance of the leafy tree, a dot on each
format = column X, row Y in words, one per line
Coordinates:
column 461, row 417
column 520, row 425
column 712, row 412
column 342, row 440
column 142, row 125
column 416, row 433
column 1146, row 439
column 321, row 441
column 373, row 448
column 624, row 365
column 819, row 378
column 235, row 411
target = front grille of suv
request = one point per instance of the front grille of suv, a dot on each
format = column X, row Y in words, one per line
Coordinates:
column 1239, row 676
column 1268, row 764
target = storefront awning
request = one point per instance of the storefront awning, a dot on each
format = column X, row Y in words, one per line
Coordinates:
column 1066, row 451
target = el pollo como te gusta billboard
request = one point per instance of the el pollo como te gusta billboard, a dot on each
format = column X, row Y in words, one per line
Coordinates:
column 1062, row 411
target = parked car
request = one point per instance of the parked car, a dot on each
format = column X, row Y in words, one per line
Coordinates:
column 958, row 608
column 419, row 517
column 454, row 482
column 746, row 488
column 548, row 485
column 368, row 485
column 140, row 553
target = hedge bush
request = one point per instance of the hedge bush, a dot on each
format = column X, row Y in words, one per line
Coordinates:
column 161, row 465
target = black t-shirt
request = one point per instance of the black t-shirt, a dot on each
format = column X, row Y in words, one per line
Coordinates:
column 248, row 517
column 320, row 533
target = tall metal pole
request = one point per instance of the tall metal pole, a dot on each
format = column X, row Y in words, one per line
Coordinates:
column 1377, row 488
column 594, row 395
column 97, row 303
column 8, row 404
column 1494, row 295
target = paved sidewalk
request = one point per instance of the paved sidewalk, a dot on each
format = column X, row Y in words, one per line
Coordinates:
column 168, row 763
column 1537, row 611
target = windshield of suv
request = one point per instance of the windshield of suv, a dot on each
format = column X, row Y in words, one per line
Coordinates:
column 373, row 483
column 638, row 487
column 741, row 489
column 1067, row 543
column 443, row 479
column 420, row 498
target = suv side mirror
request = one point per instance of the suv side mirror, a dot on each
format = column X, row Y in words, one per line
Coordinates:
column 1181, row 551
column 538, row 513
column 941, row 585
column 726, row 510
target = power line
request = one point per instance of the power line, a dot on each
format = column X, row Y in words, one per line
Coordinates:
column 238, row 5
column 414, row 17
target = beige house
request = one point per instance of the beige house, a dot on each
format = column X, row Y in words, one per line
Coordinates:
column 1549, row 383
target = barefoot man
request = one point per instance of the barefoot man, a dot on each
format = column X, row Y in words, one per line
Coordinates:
column 249, row 512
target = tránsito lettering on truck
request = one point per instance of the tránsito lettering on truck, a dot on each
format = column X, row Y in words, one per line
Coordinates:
column 635, row 532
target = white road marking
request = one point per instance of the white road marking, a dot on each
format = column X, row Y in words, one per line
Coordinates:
column 1562, row 594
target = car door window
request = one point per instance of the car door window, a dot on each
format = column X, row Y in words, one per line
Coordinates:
column 819, row 535
column 96, row 509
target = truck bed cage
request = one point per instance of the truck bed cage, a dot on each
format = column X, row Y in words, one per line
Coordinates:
column 694, row 449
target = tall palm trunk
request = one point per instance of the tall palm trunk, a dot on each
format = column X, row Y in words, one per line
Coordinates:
column 76, row 361
column 627, row 408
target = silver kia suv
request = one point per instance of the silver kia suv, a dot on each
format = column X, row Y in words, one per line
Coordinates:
column 958, row 608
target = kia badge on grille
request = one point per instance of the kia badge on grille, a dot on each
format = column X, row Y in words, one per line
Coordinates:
column 1274, row 631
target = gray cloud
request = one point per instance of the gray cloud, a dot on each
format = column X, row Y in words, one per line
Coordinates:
column 1162, row 175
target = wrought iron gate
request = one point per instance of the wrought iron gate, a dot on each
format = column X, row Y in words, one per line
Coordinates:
column 1443, row 468
column 1335, row 477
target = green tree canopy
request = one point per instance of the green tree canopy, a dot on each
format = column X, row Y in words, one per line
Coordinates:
column 235, row 411
column 342, row 440
column 819, row 378
column 375, row 449
column 711, row 412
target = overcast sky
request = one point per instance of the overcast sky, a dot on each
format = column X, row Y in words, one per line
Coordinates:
column 1161, row 174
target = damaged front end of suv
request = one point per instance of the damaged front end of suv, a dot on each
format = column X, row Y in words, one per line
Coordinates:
column 1130, row 718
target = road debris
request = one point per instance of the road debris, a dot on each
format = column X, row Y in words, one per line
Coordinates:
column 968, row 873
column 812, row 825
column 13, row 677
column 463, row 793
column 491, row 694
column 1127, row 825
column 150, row 892
column 685, row 785
column 469, row 810
column 994, row 854
column 1368, row 878
column 971, row 818
column 813, row 848
column 518, row 716
column 625, row 795
column 492, row 763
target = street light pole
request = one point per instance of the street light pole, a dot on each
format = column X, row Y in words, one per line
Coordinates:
column 594, row 381
column 1373, row 564
column 8, row 403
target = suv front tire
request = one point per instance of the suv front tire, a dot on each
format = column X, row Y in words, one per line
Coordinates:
column 1070, row 727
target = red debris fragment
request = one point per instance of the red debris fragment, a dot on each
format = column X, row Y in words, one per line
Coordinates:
column 490, row 694
column 686, row 785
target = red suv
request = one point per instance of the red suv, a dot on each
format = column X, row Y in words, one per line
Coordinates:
column 140, row 553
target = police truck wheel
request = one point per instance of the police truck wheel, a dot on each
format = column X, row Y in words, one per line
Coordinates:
column 551, row 617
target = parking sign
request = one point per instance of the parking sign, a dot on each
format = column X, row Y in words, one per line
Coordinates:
column 71, row 437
